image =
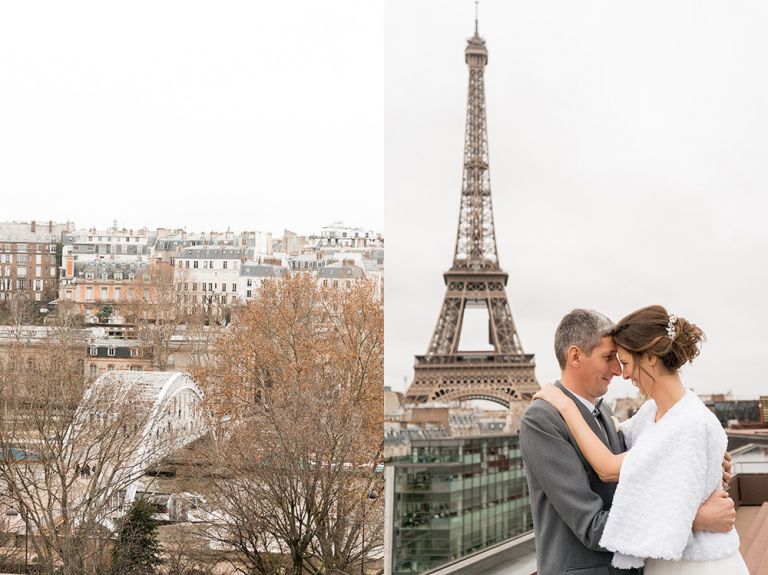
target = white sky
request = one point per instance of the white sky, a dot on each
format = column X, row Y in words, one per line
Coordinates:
column 252, row 115
column 628, row 167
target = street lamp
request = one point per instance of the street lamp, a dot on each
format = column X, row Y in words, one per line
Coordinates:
column 372, row 496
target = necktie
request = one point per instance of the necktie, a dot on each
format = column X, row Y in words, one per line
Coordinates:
column 599, row 418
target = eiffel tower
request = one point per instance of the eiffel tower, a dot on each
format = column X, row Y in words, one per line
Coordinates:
column 504, row 375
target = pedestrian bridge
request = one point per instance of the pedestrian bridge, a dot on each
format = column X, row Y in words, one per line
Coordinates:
column 129, row 420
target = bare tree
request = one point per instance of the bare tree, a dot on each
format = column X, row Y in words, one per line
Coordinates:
column 186, row 550
column 19, row 311
column 296, row 383
column 158, row 310
column 68, row 452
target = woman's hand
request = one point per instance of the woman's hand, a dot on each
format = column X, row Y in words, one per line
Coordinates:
column 552, row 394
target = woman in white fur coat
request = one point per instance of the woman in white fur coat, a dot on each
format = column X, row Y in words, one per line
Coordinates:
column 676, row 447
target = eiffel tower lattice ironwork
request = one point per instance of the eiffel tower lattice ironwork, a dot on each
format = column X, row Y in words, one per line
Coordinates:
column 504, row 375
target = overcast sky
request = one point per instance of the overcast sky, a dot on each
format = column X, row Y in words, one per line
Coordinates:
column 628, row 167
column 253, row 115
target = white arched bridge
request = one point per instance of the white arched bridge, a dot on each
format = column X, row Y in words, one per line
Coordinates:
column 126, row 422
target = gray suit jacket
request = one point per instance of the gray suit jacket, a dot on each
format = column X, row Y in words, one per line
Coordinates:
column 569, row 502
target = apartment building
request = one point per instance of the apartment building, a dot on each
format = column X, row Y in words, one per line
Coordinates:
column 341, row 236
column 207, row 277
column 28, row 260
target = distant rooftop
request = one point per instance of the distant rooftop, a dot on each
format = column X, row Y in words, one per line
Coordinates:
column 258, row 270
column 212, row 253
column 44, row 232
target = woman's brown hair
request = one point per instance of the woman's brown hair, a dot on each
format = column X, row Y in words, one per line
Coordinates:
column 674, row 340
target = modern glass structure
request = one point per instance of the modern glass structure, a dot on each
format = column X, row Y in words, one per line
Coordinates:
column 456, row 496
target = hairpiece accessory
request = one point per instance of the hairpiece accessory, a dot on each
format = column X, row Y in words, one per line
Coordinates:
column 672, row 326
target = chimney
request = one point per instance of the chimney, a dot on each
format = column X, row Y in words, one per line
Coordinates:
column 32, row 227
column 50, row 226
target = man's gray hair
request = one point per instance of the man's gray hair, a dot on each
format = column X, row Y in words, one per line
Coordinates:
column 583, row 328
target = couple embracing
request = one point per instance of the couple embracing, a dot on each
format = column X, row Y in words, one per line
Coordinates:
column 610, row 498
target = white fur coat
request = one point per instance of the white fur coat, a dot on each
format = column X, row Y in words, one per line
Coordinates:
column 670, row 470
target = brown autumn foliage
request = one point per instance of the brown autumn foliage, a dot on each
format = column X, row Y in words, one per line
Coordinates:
column 296, row 384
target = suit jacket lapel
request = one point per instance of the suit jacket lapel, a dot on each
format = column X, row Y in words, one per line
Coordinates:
column 590, row 419
column 613, row 435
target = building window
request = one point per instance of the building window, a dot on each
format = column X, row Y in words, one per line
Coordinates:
column 186, row 286
column 111, row 351
column 248, row 293
column 203, row 284
column 21, row 248
column 21, row 259
column 38, row 285
column 186, row 263
column 103, row 295
column 89, row 275
column 194, row 287
column 118, row 276
column 195, row 264
column 234, row 287
column 224, row 264
column 223, row 287
column 135, row 352
column 249, row 282
column 117, row 294
column 93, row 351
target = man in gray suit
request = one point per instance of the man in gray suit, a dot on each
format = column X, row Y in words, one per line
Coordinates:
column 569, row 501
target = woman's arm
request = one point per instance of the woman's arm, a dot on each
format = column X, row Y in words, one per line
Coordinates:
column 606, row 464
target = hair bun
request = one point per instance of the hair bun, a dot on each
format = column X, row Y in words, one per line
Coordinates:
column 686, row 345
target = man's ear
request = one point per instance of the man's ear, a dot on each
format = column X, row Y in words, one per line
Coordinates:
column 574, row 356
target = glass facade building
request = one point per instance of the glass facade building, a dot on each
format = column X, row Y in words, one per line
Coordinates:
column 456, row 496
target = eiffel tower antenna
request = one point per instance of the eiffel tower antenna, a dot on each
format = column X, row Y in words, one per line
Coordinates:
column 506, row 374
column 477, row 4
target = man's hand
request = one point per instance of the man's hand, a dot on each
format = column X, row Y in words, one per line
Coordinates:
column 717, row 514
column 726, row 470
